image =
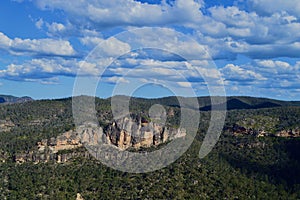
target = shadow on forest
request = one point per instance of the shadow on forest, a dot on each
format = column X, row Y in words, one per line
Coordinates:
column 286, row 171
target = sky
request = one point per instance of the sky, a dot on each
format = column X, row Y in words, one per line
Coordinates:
column 150, row 48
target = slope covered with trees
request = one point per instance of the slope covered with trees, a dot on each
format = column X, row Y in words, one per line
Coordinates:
column 239, row 167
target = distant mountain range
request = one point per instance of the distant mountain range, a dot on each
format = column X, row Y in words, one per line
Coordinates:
column 8, row 99
column 239, row 102
column 232, row 102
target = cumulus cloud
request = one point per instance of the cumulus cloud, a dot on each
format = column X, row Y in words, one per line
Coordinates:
column 56, row 28
column 231, row 31
column 272, row 6
column 277, row 65
column 91, row 41
column 121, row 70
column 236, row 73
column 39, row 69
column 45, row 46
column 264, row 32
column 50, row 68
column 107, row 13
column 167, row 40
column 113, row 47
column 39, row 24
column 116, row 79
column 233, row 16
column 263, row 74
column 279, row 71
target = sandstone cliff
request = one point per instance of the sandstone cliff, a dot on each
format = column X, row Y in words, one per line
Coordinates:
column 126, row 132
column 123, row 133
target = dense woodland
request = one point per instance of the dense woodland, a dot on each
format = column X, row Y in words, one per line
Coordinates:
column 239, row 167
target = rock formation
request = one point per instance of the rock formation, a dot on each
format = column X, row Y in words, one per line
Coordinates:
column 79, row 197
column 58, row 149
column 240, row 130
column 6, row 125
column 126, row 132
column 289, row 133
column 123, row 133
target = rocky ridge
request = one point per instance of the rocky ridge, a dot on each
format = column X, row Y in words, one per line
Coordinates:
column 238, row 130
column 123, row 133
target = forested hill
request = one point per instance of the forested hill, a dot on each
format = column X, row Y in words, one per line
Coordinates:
column 256, row 157
column 232, row 102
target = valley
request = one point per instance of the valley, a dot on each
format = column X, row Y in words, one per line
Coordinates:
column 256, row 156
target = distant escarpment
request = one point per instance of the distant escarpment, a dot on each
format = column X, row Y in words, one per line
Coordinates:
column 123, row 133
column 8, row 99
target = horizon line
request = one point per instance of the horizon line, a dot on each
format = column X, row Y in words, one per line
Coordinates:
column 149, row 98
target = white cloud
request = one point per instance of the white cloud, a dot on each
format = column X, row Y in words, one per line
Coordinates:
column 39, row 24
column 266, row 76
column 230, row 31
column 86, row 68
column 261, row 73
column 116, row 79
column 4, row 40
column 101, row 14
column 179, row 72
column 167, row 40
column 36, row 68
column 276, row 67
column 268, row 29
column 114, row 47
column 56, row 27
column 91, row 41
column 47, row 71
column 233, row 16
column 250, row 32
column 236, row 73
column 36, row 46
column 185, row 84
column 271, row 6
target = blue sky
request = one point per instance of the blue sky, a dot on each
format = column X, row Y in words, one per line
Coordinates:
column 249, row 48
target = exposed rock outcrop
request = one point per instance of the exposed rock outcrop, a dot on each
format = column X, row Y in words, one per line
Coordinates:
column 79, row 197
column 123, row 133
column 126, row 132
column 68, row 140
column 240, row 130
column 289, row 133
column 58, row 149
column 6, row 125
